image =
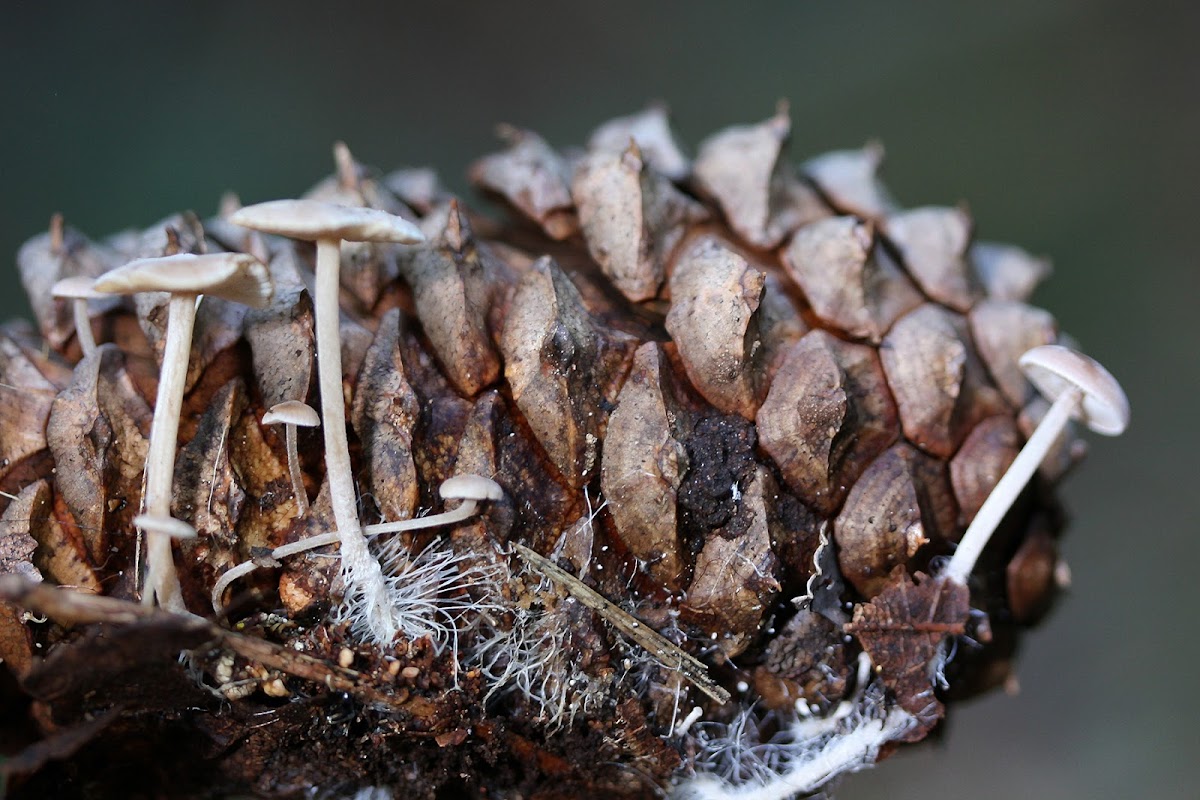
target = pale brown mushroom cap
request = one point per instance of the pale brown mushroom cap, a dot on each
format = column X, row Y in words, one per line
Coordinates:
column 311, row 220
column 175, row 528
column 470, row 487
column 238, row 277
column 292, row 412
column 79, row 287
column 1055, row 369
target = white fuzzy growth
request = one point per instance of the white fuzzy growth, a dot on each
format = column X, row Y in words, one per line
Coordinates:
column 420, row 595
column 369, row 605
column 534, row 659
column 807, row 753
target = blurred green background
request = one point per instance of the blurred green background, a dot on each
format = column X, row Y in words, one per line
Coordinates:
column 1069, row 127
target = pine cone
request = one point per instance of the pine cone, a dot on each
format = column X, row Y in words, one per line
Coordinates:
column 735, row 407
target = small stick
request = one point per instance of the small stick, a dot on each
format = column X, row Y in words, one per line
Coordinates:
column 649, row 639
column 77, row 608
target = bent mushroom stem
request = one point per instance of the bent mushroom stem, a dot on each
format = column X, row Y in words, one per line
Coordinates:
column 450, row 517
column 471, row 489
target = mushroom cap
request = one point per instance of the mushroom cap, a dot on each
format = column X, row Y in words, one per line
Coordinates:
column 311, row 220
column 78, row 287
column 1055, row 369
column 470, row 487
column 238, row 277
column 175, row 528
column 292, row 412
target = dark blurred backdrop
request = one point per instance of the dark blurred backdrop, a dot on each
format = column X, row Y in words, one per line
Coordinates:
column 1069, row 127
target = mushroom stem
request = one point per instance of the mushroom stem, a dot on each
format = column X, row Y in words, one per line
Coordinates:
column 83, row 326
column 162, row 582
column 304, row 545
column 333, row 409
column 358, row 564
column 464, row 511
column 1009, row 487
column 293, row 457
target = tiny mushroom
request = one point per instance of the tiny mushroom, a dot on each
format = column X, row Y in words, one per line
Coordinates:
column 329, row 225
column 79, row 290
column 1078, row 387
column 186, row 277
column 292, row 414
column 471, row 489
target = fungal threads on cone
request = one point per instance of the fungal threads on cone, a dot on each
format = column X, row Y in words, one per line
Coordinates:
column 731, row 414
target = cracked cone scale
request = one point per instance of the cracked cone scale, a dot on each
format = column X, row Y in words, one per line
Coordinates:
column 721, row 422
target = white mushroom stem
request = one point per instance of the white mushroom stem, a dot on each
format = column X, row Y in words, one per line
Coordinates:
column 227, row 578
column 464, row 511
column 162, row 582
column 77, row 291
column 363, row 572
column 232, row 574
column 333, row 409
column 293, row 457
column 83, row 325
column 1009, row 487
column 304, row 545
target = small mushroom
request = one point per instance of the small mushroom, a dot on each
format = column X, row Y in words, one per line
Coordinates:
column 1078, row 387
column 329, row 225
column 186, row 277
column 293, row 414
column 79, row 291
column 471, row 489
column 61, row 252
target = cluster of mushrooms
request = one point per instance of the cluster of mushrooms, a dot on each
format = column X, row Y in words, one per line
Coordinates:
column 635, row 158
column 243, row 278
